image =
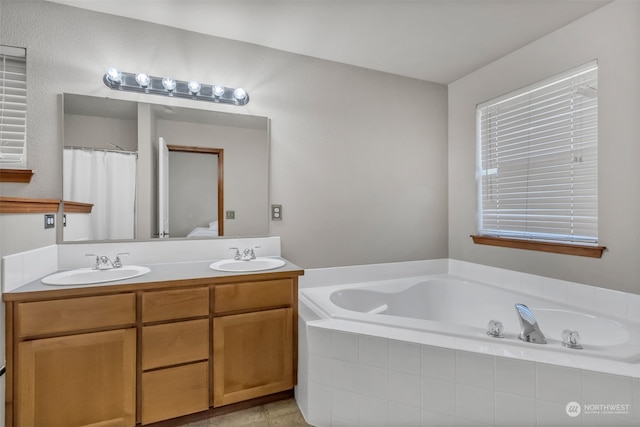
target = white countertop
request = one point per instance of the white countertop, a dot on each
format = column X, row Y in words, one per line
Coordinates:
column 160, row 273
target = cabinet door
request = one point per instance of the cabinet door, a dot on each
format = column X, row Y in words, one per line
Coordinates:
column 77, row 380
column 252, row 355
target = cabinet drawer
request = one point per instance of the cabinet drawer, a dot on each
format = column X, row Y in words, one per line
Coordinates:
column 73, row 314
column 253, row 295
column 174, row 343
column 169, row 393
column 175, row 304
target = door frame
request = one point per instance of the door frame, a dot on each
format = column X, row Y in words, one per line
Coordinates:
column 220, row 153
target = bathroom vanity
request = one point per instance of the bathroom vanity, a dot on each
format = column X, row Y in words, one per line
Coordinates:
column 181, row 340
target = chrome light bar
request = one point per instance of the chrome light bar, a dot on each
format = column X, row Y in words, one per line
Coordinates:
column 142, row 83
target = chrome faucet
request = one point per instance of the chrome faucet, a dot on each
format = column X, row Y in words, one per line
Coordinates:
column 529, row 329
column 102, row 262
column 246, row 255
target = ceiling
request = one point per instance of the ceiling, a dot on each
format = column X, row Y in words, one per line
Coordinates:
column 433, row 40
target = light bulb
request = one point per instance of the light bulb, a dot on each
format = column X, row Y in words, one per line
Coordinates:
column 218, row 90
column 239, row 94
column 114, row 76
column 143, row 80
column 194, row 87
column 169, row 84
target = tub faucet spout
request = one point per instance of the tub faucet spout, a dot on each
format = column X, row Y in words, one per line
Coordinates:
column 529, row 329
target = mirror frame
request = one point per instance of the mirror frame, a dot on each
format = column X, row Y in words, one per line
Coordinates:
column 236, row 119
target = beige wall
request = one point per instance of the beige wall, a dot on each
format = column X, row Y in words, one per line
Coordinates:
column 358, row 157
column 611, row 35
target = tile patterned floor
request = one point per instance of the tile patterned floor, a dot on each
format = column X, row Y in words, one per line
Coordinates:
column 284, row 413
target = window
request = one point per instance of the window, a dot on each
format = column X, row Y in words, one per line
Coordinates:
column 13, row 108
column 537, row 164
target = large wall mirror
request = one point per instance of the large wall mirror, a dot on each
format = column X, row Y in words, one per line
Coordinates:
column 141, row 171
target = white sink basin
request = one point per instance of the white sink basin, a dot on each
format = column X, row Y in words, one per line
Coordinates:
column 258, row 264
column 87, row 276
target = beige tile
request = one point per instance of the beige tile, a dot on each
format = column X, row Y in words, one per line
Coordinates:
column 283, row 413
column 293, row 419
column 281, row 407
column 201, row 423
column 254, row 417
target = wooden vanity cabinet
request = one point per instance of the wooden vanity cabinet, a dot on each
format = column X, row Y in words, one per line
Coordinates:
column 70, row 373
column 125, row 355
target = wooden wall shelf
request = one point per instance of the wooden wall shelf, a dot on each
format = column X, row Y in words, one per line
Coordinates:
column 25, row 205
column 16, row 175
column 77, row 207
column 22, row 205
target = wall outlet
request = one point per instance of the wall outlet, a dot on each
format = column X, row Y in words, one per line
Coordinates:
column 276, row 212
column 231, row 215
column 49, row 221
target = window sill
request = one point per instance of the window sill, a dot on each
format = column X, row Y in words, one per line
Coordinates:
column 533, row 245
column 16, row 175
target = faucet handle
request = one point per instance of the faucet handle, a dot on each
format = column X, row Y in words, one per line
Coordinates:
column 96, row 263
column 571, row 339
column 117, row 263
column 237, row 255
column 495, row 328
column 253, row 254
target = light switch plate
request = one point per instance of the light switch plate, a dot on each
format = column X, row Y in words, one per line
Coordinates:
column 49, row 221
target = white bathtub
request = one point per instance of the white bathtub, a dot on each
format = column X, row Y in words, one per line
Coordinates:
column 405, row 344
column 449, row 305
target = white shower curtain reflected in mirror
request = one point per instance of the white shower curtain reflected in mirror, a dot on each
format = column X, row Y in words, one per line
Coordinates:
column 108, row 181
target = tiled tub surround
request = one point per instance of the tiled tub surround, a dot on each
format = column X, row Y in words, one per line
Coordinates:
column 361, row 374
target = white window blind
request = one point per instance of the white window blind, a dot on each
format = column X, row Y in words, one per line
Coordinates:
column 13, row 108
column 538, row 160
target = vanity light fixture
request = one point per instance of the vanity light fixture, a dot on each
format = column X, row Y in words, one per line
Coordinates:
column 143, row 83
column 142, row 80
column 239, row 94
column 113, row 76
column 194, row 87
column 169, row 84
column 218, row 90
